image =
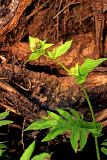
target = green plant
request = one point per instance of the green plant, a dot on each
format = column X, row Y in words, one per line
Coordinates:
column 37, row 47
column 104, row 147
column 80, row 72
column 67, row 122
column 3, row 149
column 3, row 122
column 29, row 151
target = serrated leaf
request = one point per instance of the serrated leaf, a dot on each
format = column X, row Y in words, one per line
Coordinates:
column 35, row 55
column 66, row 115
column 3, row 115
column 28, row 152
column 59, row 119
column 75, row 136
column 5, row 122
column 104, row 150
column 33, row 42
column 53, row 115
column 63, row 48
column 58, row 124
column 54, row 132
column 83, row 138
column 42, row 124
column 42, row 156
column 75, row 113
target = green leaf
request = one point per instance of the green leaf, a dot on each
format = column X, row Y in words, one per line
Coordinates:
column 105, row 140
column 75, row 113
column 2, row 145
column 42, row 156
column 5, row 122
column 96, row 130
column 80, row 72
column 1, row 152
column 83, row 138
column 51, row 55
column 104, row 150
column 28, row 152
column 42, row 43
column 75, row 136
column 104, row 143
column 53, row 115
column 63, row 48
column 90, row 64
column 54, row 132
column 59, row 119
column 74, row 71
column 66, row 115
column 42, row 124
column 73, row 123
column 47, row 45
column 34, row 43
column 35, row 55
column 3, row 115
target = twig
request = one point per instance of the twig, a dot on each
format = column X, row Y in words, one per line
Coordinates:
column 36, row 10
column 72, row 3
column 26, row 89
column 6, row 87
column 9, row 108
column 22, row 140
column 58, row 20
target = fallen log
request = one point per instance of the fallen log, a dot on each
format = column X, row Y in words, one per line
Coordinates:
column 83, row 46
column 11, row 20
column 34, row 93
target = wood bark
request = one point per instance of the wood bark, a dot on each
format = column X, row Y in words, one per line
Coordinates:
column 31, row 94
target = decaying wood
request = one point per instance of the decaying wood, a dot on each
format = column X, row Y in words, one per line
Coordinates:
column 90, row 7
column 7, row 87
column 13, row 23
column 10, row 12
column 102, row 117
column 83, row 46
column 48, row 92
column 30, row 93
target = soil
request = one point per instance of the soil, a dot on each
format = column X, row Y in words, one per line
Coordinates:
column 28, row 91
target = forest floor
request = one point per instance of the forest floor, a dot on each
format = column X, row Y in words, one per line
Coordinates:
column 28, row 91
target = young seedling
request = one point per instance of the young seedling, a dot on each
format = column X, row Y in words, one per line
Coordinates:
column 80, row 72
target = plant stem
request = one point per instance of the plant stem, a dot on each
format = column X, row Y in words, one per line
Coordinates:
column 67, row 70
column 89, row 104
column 58, row 62
column 93, row 117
